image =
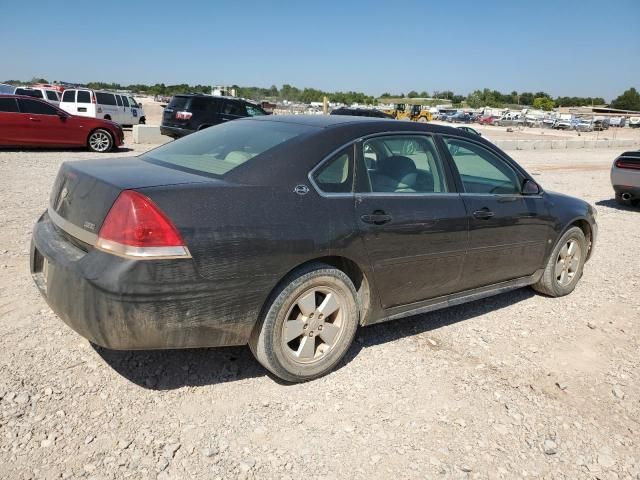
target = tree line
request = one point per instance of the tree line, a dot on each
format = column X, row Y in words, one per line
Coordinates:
column 629, row 100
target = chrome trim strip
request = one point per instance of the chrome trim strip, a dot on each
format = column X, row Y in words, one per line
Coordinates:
column 142, row 253
column 73, row 230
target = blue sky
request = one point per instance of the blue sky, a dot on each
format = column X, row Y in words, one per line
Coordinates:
column 584, row 48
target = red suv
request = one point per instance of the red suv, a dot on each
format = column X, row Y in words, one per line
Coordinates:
column 30, row 122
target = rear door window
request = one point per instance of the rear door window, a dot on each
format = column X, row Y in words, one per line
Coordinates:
column 69, row 96
column 8, row 105
column 336, row 175
column 36, row 108
column 84, row 96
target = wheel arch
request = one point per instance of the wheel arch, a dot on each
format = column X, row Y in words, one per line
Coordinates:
column 349, row 267
column 584, row 225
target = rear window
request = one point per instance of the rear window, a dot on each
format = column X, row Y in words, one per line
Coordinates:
column 84, row 96
column 51, row 95
column 218, row 150
column 8, row 105
column 179, row 103
column 69, row 96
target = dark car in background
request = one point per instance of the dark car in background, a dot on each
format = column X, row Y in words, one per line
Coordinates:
column 188, row 113
column 360, row 112
column 290, row 232
column 31, row 122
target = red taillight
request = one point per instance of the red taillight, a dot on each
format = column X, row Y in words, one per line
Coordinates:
column 183, row 115
column 622, row 163
column 136, row 227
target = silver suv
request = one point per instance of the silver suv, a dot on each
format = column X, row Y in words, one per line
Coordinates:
column 625, row 178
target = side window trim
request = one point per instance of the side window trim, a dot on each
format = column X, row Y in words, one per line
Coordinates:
column 361, row 169
column 518, row 174
column 330, row 157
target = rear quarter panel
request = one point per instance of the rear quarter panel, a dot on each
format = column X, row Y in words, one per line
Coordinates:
column 249, row 237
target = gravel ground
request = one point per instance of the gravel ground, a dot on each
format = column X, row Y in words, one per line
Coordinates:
column 515, row 386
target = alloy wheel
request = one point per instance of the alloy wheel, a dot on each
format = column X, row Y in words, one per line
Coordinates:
column 313, row 325
column 99, row 141
column 568, row 262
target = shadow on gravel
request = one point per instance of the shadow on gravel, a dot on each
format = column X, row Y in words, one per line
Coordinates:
column 389, row 331
column 611, row 203
column 171, row 369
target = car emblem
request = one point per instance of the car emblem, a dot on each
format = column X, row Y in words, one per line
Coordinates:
column 301, row 189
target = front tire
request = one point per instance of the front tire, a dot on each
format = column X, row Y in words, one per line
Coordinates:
column 565, row 265
column 308, row 325
column 100, row 141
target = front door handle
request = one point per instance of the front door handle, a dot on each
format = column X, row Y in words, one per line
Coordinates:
column 34, row 119
column 483, row 214
column 376, row 218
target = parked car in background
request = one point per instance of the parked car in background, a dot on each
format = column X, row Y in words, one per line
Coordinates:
column 290, row 232
column 582, row 125
column 625, row 178
column 6, row 89
column 101, row 104
column 46, row 94
column 188, row 113
column 488, row 120
column 32, row 122
column 601, row 124
column 617, row 121
column 562, row 124
column 461, row 117
column 360, row 112
column 510, row 119
column 634, row 122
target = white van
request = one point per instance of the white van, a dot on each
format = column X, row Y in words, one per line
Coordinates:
column 46, row 94
column 116, row 107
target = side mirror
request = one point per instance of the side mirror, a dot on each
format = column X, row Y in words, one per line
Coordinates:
column 529, row 187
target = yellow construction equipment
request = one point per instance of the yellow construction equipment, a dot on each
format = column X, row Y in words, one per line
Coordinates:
column 414, row 113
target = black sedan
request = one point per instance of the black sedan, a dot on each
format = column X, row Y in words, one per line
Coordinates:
column 287, row 233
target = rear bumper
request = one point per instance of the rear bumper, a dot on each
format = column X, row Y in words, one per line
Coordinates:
column 634, row 192
column 126, row 304
column 174, row 132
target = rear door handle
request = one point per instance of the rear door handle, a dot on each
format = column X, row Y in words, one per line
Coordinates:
column 483, row 214
column 376, row 218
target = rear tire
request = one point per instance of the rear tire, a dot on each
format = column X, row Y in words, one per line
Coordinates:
column 565, row 265
column 308, row 325
column 100, row 141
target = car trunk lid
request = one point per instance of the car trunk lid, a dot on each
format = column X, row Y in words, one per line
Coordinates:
column 84, row 191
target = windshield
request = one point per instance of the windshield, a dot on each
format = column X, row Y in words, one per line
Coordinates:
column 218, row 150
